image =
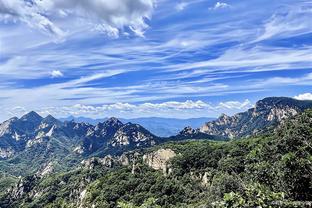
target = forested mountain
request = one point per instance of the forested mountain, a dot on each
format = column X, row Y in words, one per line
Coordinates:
column 264, row 171
column 49, row 163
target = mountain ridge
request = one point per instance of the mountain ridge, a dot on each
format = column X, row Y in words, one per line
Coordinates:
column 267, row 113
column 162, row 127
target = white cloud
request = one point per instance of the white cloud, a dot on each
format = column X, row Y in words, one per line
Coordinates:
column 184, row 4
column 236, row 105
column 305, row 96
column 289, row 22
column 107, row 16
column 189, row 104
column 56, row 74
column 24, row 11
column 186, row 109
column 181, row 6
column 220, row 5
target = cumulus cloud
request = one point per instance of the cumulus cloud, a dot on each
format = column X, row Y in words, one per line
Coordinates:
column 56, row 74
column 106, row 16
column 305, row 96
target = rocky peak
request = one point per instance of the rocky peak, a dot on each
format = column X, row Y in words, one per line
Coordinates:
column 49, row 121
column 31, row 117
column 223, row 116
column 188, row 131
column 133, row 134
column 113, row 122
column 6, row 126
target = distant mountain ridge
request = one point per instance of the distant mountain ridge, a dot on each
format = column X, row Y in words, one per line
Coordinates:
column 162, row 127
column 266, row 114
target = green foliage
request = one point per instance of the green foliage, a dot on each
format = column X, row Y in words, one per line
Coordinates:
column 149, row 203
column 254, row 195
column 121, row 185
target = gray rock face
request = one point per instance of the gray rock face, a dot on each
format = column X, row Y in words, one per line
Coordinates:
column 133, row 134
column 159, row 160
column 267, row 113
column 46, row 170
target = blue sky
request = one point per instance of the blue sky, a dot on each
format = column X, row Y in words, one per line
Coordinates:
column 139, row 58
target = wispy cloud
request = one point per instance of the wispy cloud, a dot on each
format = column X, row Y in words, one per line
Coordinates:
column 289, row 21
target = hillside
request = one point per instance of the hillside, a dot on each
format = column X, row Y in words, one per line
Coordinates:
column 265, row 171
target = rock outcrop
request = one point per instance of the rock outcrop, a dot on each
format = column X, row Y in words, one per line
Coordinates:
column 159, row 160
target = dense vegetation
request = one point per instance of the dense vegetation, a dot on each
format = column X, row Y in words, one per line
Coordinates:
column 267, row 171
column 35, row 158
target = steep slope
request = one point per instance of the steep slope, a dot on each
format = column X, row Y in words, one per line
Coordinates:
column 266, row 114
column 267, row 171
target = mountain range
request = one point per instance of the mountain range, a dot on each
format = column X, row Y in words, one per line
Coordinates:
column 266, row 162
column 31, row 142
column 162, row 127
